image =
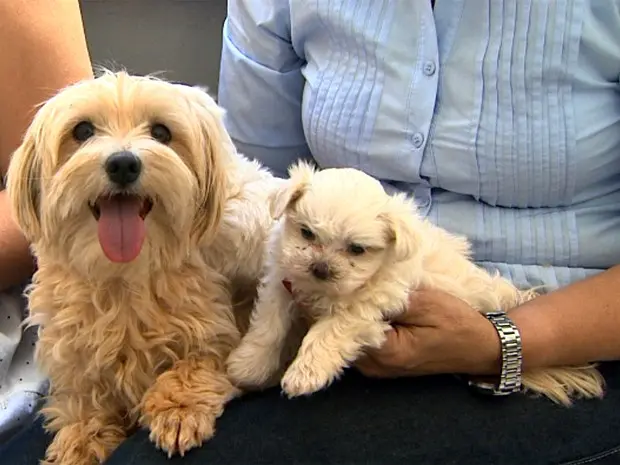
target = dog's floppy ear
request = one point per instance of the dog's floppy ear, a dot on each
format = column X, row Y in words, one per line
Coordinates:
column 284, row 198
column 399, row 216
column 23, row 184
column 217, row 150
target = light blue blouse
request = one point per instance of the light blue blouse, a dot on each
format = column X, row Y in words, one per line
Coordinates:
column 502, row 117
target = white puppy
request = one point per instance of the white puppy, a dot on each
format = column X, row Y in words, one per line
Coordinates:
column 351, row 254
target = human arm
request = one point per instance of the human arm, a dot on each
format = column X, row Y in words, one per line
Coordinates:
column 44, row 49
column 441, row 334
column 261, row 83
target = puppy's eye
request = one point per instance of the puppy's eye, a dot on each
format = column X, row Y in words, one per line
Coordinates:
column 356, row 249
column 161, row 133
column 307, row 234
column 83, row 131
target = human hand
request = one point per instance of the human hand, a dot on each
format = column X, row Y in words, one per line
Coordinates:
column 437, row 334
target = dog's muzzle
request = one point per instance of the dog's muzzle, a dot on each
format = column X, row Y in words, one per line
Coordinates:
column 120, row 212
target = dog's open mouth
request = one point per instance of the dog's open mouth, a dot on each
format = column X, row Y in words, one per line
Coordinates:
column 145, row 207
column 121, row 227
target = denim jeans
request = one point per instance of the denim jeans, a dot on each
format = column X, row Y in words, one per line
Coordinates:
column 430, row 421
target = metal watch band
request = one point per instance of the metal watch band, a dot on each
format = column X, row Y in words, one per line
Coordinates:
column 510, row 339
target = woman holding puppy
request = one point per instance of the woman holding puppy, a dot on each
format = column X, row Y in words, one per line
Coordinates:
column 502, row 118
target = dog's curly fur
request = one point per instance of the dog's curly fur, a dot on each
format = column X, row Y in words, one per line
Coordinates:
column 141, row 343
column 372, row 250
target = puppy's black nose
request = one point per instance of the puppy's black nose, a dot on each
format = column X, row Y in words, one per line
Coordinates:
column 123, row 168
column 321, row 271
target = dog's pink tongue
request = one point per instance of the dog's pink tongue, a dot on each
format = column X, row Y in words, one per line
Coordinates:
column 121, row 228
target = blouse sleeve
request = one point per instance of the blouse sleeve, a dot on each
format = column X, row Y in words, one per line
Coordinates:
column 261, row 83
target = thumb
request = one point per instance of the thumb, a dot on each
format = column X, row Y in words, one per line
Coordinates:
column 417, row 311
column 392, row 346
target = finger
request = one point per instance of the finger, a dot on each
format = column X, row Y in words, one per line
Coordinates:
column 397, row 350
column 390, row 346
column 417, row 312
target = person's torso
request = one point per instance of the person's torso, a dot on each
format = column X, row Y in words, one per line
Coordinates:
column 502, row 117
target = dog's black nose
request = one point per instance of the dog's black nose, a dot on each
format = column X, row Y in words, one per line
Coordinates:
column 321, row 271
column 123, row 168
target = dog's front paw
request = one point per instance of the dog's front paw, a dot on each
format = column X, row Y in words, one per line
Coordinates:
column 83, row 444
column 179, row 429
column 303, row 378
column 251, row 366
column 68, row 454
column 174, row 427
column 68, row 458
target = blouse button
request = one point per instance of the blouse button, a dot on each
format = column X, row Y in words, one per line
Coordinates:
column 418, row 140
column 429, row 68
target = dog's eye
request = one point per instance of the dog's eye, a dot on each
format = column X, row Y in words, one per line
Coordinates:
column 356, row 249
column 161, row 133
column 307, row 234
column 83, row 131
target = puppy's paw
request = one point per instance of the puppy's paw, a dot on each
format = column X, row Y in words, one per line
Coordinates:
column 251, row 366
column 302, row 379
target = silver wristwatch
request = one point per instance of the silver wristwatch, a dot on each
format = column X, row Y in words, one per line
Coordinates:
column 510, row 339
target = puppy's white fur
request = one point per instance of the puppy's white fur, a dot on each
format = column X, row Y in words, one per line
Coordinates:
column 377, row 249
column 142, row 342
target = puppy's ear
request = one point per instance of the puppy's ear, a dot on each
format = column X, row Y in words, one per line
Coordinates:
column 211, row 163
column 283, row 199
column 400, row 218
column 23, row 184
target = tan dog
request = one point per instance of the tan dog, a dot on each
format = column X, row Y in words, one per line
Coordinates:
column 123, row 185
column 351, row 254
